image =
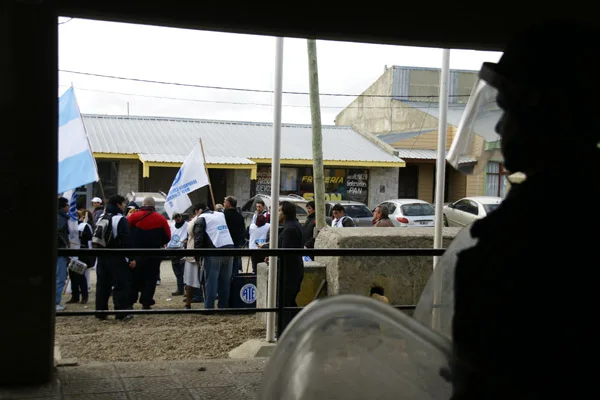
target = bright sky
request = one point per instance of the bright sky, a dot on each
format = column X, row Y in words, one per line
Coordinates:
column 224, row 60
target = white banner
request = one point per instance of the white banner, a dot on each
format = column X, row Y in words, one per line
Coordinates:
column 191, row 176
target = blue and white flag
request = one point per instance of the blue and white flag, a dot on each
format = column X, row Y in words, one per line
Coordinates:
column 73, row 223
column 76, row 164
column 191, row 176
column 73, row 207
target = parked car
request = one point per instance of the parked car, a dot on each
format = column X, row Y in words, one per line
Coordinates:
column 466, row 210
column 410, row 212
column 159, row 198
column 249, row 207
column 360, row 213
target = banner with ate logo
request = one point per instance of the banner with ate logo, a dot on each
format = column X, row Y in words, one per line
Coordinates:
column 191, row 176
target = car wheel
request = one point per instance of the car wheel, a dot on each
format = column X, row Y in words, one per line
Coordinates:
column 446, row 221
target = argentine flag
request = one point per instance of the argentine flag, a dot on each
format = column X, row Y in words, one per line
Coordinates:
column 76, row 164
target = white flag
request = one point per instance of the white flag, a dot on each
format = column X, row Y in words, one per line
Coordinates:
column 191, row 176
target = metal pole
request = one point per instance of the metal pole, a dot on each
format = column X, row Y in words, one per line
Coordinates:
column 441, row 156
column 275, row 182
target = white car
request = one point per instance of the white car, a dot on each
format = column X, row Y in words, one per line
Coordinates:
column 410, row 212
column 466, row 210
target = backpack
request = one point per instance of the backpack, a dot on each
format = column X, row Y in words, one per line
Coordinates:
column 104, row 232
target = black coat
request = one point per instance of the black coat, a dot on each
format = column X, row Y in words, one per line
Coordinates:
column 290, row 237
column 236, row 225
column 308, row 230
column 524, row 301
column 63, row 229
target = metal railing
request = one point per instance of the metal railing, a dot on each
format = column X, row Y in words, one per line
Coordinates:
column 280, row 309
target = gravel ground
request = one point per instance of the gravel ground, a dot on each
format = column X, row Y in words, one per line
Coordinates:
column 153, row 337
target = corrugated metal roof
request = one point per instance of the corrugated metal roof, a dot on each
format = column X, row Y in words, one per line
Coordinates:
column 426, row 154
column 179, row 158
column 172, row 138
column 394, row 137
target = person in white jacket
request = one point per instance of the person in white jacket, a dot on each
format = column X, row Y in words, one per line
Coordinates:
column 179, row 240
column 191, row 271
column 258, row 236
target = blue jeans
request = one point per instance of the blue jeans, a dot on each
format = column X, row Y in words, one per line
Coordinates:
column 61, row 277
column 217, row 273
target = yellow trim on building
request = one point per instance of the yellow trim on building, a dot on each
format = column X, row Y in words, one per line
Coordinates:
column 147, row 164
column 252, row 167
column 334, row 163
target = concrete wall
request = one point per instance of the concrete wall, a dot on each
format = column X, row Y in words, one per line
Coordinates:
column 385, row 179
column 370, row 114
column 314, row 274
column 238, row 184
column 241, row 185
column 128, row 177
column 403, row 278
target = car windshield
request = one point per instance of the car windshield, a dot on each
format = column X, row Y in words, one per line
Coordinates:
column 490, row 207
column 358, row 211
column 417, row 210
column 160, row 207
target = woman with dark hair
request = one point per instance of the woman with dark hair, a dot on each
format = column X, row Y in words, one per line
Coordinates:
column 292, row 266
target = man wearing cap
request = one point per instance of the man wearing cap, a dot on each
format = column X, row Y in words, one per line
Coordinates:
column 98, row 209
column 149, row 230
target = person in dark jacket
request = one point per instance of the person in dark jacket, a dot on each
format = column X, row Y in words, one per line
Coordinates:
column 291, row 267
column 63, row 243
column 506, row 284
column 237, row 230
column 308, row 229
column 113, row 273
column 149, row 230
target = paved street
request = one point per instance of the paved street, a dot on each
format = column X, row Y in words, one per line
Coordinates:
column 169, row 380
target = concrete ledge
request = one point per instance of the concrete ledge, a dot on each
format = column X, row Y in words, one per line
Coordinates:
column 314, row 275
column 403, row 278
column 253, row 348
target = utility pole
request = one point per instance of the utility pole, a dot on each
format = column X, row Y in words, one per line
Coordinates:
column 317, row 138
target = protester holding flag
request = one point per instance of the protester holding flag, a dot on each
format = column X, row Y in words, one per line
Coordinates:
column 191, row 176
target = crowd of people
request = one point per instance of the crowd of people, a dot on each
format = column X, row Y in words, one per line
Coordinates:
column 133, row 279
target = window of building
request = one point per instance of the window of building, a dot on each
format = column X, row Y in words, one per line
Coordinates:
column 496, row 180
column 109, row 173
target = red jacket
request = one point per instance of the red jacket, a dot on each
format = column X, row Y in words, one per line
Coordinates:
column 149, row 229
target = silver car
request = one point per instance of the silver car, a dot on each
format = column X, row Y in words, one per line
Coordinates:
column 159, row 199
column 360, row 213
column 410, row 212
column 466, row 210
column 248, row 209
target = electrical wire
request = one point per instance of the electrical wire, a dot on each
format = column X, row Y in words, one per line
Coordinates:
column 243, row 89
column 224, row 102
